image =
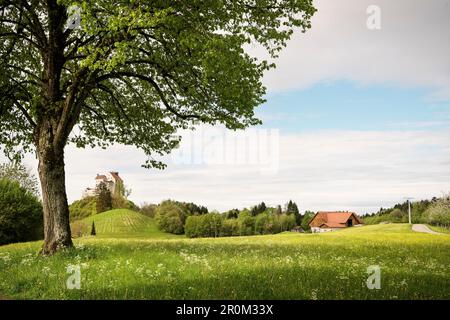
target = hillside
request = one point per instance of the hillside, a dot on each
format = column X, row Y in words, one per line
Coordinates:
column 283, row 266
column 122, row 223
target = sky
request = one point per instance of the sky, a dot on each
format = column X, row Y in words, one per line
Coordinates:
column 356, row 119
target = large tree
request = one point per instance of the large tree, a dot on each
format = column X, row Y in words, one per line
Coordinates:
column 133, row 72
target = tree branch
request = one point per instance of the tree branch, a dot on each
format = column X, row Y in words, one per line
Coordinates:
column 109, row 91
column 102, row 120
column 20, row 36
column 25, row 113
column 157, row 89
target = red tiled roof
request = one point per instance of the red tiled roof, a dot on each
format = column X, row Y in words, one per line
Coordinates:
column 334, row 225
column 333, row 219
column 338, row 217
column 116, row 176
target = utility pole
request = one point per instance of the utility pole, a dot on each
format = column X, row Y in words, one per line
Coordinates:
column 409, row 208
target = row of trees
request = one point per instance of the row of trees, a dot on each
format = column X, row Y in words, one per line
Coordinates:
column 217, row 225
column 171, row 215
column 435, row 212
column 195, row 221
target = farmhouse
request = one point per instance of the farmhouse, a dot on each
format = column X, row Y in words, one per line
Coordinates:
column 111, row 180
column 325, row 221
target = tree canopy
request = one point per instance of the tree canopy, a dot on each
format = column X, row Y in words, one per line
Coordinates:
column 134, row 71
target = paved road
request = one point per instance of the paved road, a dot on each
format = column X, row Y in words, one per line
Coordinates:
column 423, row 228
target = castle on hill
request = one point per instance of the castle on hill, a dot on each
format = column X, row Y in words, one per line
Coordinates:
column 111, row 180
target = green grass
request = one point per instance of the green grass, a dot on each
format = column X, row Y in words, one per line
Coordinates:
column 125, row 223
column 285, row 266
column 439, row 229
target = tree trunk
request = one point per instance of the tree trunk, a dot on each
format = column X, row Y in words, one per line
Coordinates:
column 56, row 210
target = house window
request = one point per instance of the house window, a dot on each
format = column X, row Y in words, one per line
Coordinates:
column 350, row 223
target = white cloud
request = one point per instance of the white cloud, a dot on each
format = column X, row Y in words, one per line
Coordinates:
column 411, row 49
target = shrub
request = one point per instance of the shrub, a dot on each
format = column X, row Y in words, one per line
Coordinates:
column 83, row 208
column 21, row 217
column 148, row 209
column 78, row 229
column 170, row 217
column 120, row 202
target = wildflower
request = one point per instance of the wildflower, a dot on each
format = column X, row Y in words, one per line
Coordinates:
column 45, row 270
column 5, row 257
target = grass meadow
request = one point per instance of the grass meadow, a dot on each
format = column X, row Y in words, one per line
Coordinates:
column 153, row 265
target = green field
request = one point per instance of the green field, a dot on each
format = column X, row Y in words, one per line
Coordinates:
column 133, row 260
column 125, row 223
column 439, row 229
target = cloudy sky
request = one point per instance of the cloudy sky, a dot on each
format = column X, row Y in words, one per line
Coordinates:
column 355, row 119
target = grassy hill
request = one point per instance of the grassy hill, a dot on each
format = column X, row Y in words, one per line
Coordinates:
column 289, row 265
column 124, row 223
